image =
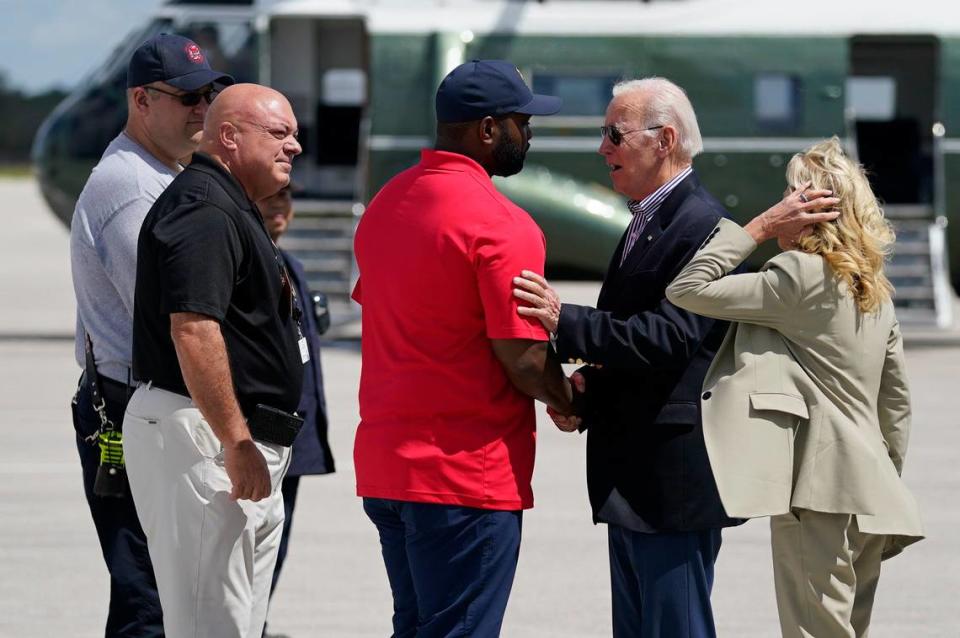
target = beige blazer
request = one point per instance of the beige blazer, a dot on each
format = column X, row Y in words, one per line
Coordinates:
column 806, row 403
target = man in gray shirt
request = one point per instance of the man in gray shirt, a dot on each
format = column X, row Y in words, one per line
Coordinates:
column 170, row 85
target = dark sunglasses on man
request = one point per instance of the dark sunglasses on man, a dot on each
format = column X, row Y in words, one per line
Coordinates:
column 615, row 135
column 188, row 99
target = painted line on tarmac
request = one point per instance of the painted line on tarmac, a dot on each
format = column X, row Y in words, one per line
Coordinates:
column 21, row 468
column 36, row 336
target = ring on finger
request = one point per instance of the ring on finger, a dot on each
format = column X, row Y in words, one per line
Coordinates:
column 803, row 198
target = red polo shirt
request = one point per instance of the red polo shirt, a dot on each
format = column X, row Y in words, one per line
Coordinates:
column 440, row 422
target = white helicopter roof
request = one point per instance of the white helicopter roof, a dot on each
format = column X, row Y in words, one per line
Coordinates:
column 663, row 17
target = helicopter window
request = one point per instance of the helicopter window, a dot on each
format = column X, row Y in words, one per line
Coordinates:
column 583, row 94
column 872, row 98
column 776, row 100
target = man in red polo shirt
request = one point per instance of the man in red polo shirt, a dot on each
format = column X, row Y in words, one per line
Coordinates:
column 445, row 448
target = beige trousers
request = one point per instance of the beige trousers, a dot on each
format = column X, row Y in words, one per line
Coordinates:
column 825, row 573
column 213, row 557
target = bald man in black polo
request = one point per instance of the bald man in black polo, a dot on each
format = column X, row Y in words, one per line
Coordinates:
column 207, row 436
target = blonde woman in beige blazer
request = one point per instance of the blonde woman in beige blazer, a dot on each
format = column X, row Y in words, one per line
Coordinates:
column 806, row 411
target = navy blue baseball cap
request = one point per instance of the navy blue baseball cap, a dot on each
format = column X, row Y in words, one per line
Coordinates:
column 173, row 59
column 479, row 88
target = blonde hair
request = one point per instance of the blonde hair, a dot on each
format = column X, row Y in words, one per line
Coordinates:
column 857, row 242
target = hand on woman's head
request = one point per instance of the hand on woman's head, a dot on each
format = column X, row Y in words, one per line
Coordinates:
column 797, row 210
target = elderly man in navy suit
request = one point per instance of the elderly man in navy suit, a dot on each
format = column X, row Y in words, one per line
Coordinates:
column 648, row 474
column 311, row 451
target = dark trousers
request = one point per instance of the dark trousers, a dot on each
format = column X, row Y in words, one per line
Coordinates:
column 134, row 602
column 450, row 568
column 289, row 489
column 661, row 583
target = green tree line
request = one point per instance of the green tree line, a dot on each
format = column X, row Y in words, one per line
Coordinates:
column 20, row 116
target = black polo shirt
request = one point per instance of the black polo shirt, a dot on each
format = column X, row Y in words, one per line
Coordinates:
column 203, row 248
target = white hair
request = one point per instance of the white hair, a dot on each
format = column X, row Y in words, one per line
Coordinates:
column 667, row 103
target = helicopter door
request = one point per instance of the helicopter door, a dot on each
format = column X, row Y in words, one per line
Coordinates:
column 891, row 93
column 320, row 64
column 892, row 105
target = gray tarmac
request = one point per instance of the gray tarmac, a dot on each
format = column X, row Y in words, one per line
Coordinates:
column 53, row 582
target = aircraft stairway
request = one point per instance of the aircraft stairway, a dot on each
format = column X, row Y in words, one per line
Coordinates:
column 918, row 266
column 321, row 237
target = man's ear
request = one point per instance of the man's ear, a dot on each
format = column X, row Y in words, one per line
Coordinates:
column 229, row 135
column 488, row 130
column 141, row 101
column 667, row 141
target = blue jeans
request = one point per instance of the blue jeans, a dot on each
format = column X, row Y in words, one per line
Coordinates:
column 661, row 583
column 134, row 602
column 450, row 567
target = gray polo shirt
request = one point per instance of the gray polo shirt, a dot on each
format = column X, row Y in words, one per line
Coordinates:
column 103, row 249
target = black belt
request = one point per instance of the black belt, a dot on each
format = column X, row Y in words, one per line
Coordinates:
column 266, row 424
column 114, row 391
column 162, row 386
column 102, row 388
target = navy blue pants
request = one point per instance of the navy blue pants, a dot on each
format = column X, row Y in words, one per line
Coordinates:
column 134, row 603
column 289, row 488
column 661, row 583
column 450, row 568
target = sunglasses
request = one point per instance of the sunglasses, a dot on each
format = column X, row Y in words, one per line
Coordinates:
column 189, row 99
column 615, row 135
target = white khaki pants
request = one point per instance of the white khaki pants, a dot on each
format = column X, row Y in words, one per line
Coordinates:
column 825, row 571
column 213, row 557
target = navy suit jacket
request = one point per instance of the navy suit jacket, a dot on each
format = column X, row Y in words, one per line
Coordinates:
column 645, row 449
column 311, row 452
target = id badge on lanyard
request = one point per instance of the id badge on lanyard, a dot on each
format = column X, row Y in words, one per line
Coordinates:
column 301, row 340
column 289, row 293
column 304, row 349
